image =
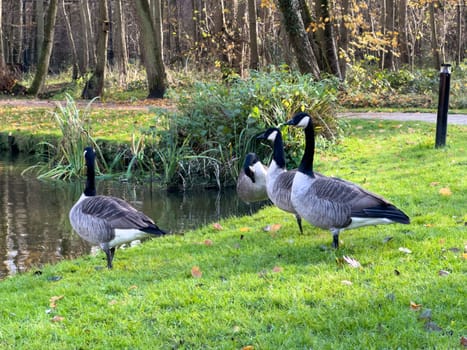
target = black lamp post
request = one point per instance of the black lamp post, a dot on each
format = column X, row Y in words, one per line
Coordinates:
column 443, row 105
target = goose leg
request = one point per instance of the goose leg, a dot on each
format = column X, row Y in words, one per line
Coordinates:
column 109, row 252
column 335, row 238
column 299, row 222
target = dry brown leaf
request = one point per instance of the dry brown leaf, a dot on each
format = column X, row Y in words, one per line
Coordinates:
column 54, row 299
column 434, row 183
column 277, row 269
column 248, row 347
column 217, row 226
column 415, row 306
column 445, row 191
column 58, row 319
column 275, row 227
column 132, row 287
column 208, row 242
column 463, row 341
column 196, row 272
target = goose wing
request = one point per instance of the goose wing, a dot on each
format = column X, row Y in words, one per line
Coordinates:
column 115, row 212
column 355, row 201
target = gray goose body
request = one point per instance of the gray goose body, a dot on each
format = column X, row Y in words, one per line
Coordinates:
column 251, row 181
column 278, row 179
column 333, row 203
column 107, row 221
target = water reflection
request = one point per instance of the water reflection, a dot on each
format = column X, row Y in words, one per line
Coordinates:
column 34, row 226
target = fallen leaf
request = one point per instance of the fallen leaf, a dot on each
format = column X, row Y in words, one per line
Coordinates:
column 54, row 299
column 113, row 302
column 464, row 341
column 387, row 239
column 217, row 226
column 277, row 269
column 346, row 282
column 208, row 242
column 405, row 250
column 352, row 262
column 445, row 191
column 415, row 306
column 196, row 272
column 132, row 287
column 426, row 314
column 443, row 273
column 272, row 228
column 464, row 256
column 248, row 347
column 244, row 229
column 434, row 183
column 58, row 319
column 432, row 327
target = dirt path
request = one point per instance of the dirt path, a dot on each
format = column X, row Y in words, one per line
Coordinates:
column 458, row 119
column 35, row 103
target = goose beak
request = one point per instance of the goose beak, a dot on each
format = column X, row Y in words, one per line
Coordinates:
column 261, row 136
column 290, row 122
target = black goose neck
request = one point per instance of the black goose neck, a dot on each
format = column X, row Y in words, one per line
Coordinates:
column 278, row 151
column 306, row 165
column 90, row 189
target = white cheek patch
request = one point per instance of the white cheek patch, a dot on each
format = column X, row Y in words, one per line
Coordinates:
column 304, row 122
column 272, row 136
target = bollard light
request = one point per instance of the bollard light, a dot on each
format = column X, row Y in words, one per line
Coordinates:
column 443, row 105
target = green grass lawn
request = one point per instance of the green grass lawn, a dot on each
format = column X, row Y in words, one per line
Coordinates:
column 255, row 283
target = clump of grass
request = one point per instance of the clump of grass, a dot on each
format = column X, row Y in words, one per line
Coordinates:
column 65, row 161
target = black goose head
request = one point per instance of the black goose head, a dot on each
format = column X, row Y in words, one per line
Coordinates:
column 301, row 120
column 250, row 160
column 270, row 134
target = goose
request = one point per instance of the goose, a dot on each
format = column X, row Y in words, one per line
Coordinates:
column 251, row 182
column 278, row 179
column 332, row 203
column 107, row 221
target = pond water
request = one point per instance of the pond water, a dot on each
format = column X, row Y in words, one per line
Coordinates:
column 34, row 225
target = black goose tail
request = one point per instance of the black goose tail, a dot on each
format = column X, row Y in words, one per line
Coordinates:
column 154, row 230
column 384, row 211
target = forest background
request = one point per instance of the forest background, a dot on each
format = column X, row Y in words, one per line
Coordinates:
column 230, row 67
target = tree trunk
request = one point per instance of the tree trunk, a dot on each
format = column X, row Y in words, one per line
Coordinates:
column 434, row 37
column 95, row 85
column 121, row 55
column 152, row 50
column 327, row 41
column 388, row 32
column 46, row 50
column 40, row 28
column 71, row 38
column 254, row 55
column 298, row 37
column 403, row 33
column 2, row 53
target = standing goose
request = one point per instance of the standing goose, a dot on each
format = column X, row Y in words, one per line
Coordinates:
column 251, row 182
column 278, row 179
column 107, row 221
column 332, row 203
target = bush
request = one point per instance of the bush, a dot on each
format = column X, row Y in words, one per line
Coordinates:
column 222, row 120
